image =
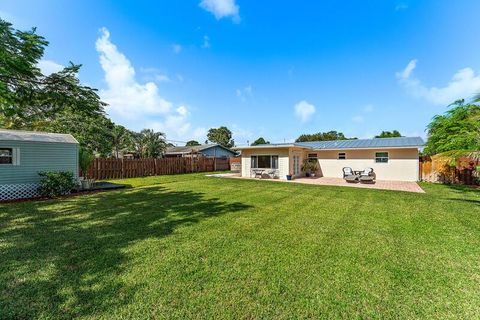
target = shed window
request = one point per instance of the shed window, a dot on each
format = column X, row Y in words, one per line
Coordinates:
column 342, row 156
column 265, row 162
column 312, row 156
column 6, row 156
column 381, row 157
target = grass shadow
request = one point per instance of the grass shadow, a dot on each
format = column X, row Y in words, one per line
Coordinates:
column 62, row 258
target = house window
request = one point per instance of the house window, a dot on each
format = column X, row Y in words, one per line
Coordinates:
column 6, row 156
column 265, row 162
column 312, row 156
column 342, row 156
column 381, row 157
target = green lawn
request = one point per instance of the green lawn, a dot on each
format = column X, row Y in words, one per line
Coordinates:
column 190, row 246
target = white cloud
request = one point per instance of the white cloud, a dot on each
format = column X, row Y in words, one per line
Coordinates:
column 48, row 67
column 124, row 94
column 405, row 73
column 368, row 108
column 463, row 84
column 176, row 48
column 304, row 110
column 154, row 74
column 358, row 119
column 176, row 122
column 206, row 42
column 221, row 8
column 244, row 93
column 162, row 78
column 133, row 104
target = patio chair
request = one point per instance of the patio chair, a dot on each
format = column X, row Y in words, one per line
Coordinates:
column 349, row 175
column 367, row 176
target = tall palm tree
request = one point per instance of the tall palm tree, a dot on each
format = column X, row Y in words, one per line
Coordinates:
column 121, row 139
column 150, row 144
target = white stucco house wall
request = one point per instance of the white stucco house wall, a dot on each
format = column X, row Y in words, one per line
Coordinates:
column 394, row 159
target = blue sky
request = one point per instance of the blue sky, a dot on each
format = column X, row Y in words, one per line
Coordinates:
column 264, row 68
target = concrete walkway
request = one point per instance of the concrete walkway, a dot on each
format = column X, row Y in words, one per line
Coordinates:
column 407, row 186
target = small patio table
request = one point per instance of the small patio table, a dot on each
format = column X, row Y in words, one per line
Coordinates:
column 258, row 172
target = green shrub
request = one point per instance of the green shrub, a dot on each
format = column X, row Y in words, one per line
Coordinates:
column 85, row 159
column 54, row 184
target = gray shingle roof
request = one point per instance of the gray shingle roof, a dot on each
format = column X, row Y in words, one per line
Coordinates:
column 400, row 142
column 19, row 135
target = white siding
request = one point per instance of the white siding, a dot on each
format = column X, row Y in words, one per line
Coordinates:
column 283, row 160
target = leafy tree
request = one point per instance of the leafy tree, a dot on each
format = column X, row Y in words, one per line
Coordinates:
column 260, row 140
column 122, row 140
column 192, row 143
column 221, row 136
column 389, row 134
column 29, row 99
column 94, row 133
column 457, row 129
column 149, row 144
column 322, row 136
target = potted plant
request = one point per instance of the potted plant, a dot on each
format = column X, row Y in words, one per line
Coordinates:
column 85, row 159
column 289, row 176
column 313, row 168
column 309, row 167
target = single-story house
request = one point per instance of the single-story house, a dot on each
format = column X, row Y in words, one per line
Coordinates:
column 390, row 158
column 23, row 154
column 205, row 150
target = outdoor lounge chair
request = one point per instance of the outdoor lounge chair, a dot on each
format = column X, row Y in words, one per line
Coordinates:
column 367, row 176
column 349, row 175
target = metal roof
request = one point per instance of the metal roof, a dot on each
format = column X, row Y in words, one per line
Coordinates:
column 36, row 136
column 400, row 142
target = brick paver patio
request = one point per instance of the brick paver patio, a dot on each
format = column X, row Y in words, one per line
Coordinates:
column 408, row 186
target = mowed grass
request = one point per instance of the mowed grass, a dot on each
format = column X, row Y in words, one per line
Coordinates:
column 191, row 246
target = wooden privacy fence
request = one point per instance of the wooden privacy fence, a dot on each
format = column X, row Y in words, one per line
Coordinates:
column 437, row 171
column 102, row 168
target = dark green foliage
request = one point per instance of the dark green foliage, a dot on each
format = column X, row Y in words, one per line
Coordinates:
column 457, row 129
column 54, row 184
column 85, row 159
column 149, row 144
column 192, row 143
column 260, row 140
column 221, row 136
column 29, row 99
column 94, row 133
column 389, row 134
column 322, row 136
column 122, row 140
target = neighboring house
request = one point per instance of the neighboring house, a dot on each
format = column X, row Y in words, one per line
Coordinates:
column 390, row 158
column 23, row 154
column 205, row 150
